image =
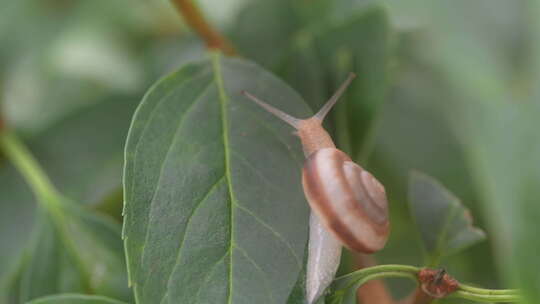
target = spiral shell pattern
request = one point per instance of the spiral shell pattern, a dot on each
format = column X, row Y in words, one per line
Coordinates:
column 350, row 202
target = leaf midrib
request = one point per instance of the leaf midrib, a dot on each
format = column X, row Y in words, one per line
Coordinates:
column 444, row 232
column 223, row 101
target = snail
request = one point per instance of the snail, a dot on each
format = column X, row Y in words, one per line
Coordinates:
column 349, row 205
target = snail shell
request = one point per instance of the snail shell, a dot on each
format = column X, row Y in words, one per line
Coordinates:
column 350, row 202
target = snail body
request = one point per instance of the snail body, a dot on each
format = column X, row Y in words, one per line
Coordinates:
column 349, row 206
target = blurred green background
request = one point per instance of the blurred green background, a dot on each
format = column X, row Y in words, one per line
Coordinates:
column 459, row 101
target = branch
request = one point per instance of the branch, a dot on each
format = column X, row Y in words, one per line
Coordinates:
column 343, row 284
column 194, row 18
column 418, row 297
column 373, row 291
column 27, row 165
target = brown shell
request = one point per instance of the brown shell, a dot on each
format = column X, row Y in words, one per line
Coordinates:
column 350, row 202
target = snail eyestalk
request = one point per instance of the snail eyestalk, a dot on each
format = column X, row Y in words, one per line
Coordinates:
column 296, row 121
column 280, row 114
column 332, row 101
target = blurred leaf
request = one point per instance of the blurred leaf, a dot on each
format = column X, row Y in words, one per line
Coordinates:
column 69, row 54
column 444, row 224
column 74, row 299
column 303, row 70
column 83, row 253
column 50, row 86
column 16, row 219
column 214, row 208
column 264, row 29
column 10, row 284
column 413, row 134
column 313, row 50
column 494, row 109
column 83, row 155
column 83, row 250
column 360, row 44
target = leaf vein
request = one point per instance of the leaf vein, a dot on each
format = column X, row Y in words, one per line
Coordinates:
column 257, row 171
column 246, row 255
column 225, row 129
column 162, row 166
column 190, row 217
column 210, row 272
column 275, row 233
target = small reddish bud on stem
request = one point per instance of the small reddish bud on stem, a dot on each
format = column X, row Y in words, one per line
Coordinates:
column 436, row 282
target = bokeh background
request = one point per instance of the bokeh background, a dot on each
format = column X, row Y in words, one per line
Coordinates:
column 460, row 103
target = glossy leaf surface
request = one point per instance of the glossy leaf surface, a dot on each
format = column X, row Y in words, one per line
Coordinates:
column 215, row 211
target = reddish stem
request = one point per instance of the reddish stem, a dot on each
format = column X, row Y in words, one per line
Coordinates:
column 194, row 18
column 373, row 292
column 418, row 297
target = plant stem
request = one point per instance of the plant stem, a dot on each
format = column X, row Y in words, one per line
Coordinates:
column 195, row 19
column 23, row 160
column 373, row 291
column 419, row 296
column 46, row 194
column 357, row 278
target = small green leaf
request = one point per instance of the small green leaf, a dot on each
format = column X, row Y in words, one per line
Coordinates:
column 445, row 225
column 74, row 299
column 215, row 211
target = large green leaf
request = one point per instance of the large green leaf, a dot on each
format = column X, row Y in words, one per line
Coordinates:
column 214, row 206
column 444, row 223
column 74, row 299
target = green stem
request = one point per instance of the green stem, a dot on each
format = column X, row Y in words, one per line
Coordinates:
column 360, row 277
column 494, row 298
column 23, row 160
column 47, row 195
column 477, row 290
